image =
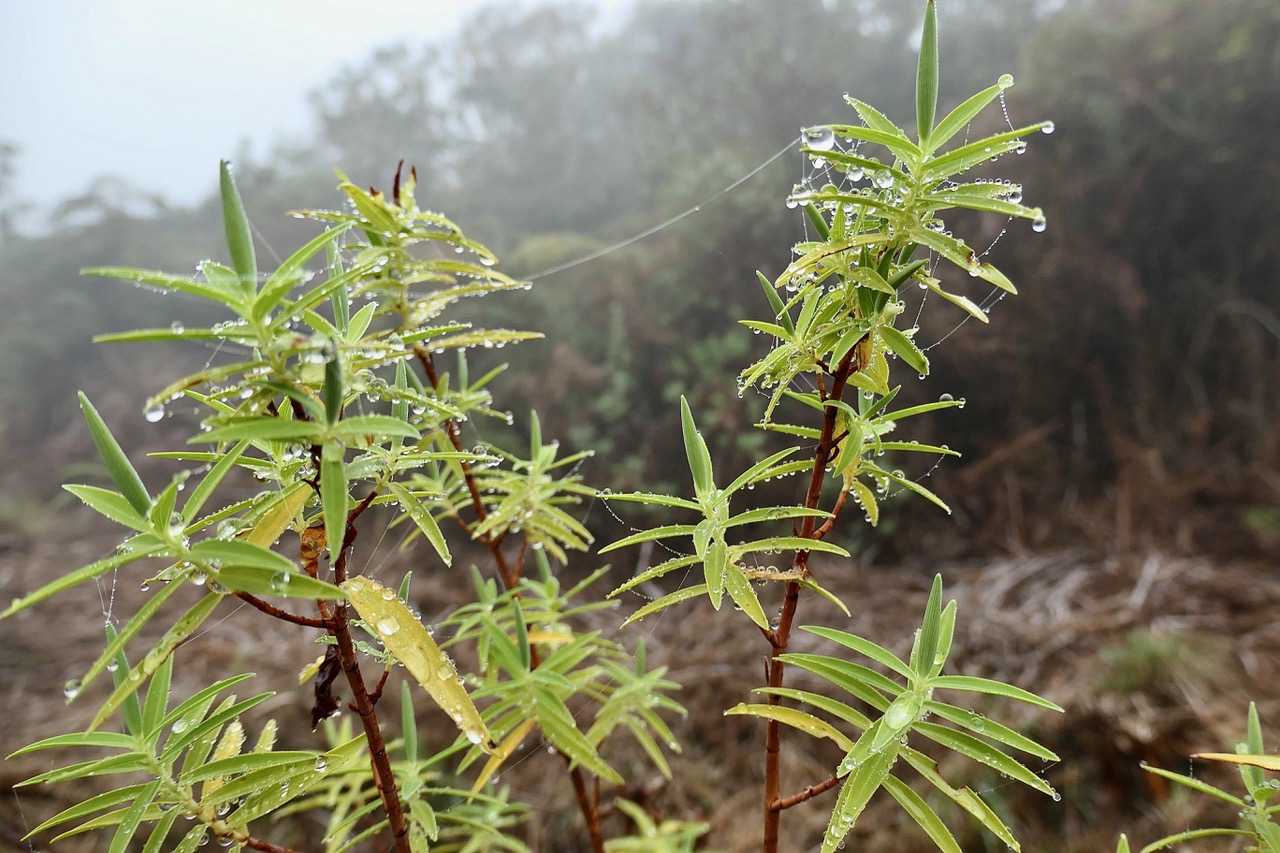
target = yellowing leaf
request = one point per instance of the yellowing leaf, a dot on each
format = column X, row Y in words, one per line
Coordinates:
column 406, row 638
column 276, row 520
column 807, row 723
column 500, row 755
column 1266, row 762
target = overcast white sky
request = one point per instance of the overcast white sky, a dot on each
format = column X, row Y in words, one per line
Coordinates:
column 156, row 91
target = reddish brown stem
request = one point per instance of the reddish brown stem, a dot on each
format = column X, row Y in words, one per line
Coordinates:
column 589, row 812
column 493, row 543
column 283, row 615
column 266, row 846
column 779, row 637
column 363, row 704
column 807, row 794
column 511, row 578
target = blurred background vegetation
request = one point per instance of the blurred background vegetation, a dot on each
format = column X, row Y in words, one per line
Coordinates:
column 1124, row 403
column 1126, row 398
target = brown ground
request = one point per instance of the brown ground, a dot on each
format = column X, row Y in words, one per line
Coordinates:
column 1153, row 657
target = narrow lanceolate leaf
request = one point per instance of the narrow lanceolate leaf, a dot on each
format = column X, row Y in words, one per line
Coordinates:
column 122, row 472
column 187, row 625
column 239, row 237
column 117, row 641
column 276, row 520
column 855, row 794
column 965, row 113
column 666, row 601
column 331, row 391
column 878, row 654
column 1266, row 762
column 205, row 488
column 132, row 818
column 695, row 449
column 984, row 753
column 421, row 515
column 406, row 638
column 926, row 644
column 743, row 593
column 290, row 274
column 714, row 567
column 504, row 751
column 111, row 504
column 927, row 74
column 558, row 724
column 775, row 302
column 807, row 723
column 244, row 567
column 258, row 428
column 333, row 496
column 995, row 688
column 77, row 577
column 914, row 805
column 963, row 797
column 906, row 349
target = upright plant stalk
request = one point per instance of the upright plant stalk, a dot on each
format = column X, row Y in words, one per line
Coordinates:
column 834, row 335
column 589, row 806
column 780, row 637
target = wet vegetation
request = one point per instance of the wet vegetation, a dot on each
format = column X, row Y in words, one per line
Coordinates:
column 1117, row 422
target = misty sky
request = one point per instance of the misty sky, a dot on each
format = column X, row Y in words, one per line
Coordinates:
column 157, row 91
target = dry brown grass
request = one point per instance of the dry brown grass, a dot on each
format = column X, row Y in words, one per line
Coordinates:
column 1152, row 656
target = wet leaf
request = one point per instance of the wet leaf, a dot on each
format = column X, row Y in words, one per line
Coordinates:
column 406, row 638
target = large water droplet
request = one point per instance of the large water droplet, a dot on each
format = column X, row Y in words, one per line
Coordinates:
column 1038, row 224
column 820, row 138
column 1005, row 81
column 321, row 764
column 154, row 412
column 1048, row 127
column 388, row 626
column 71, row 689
column 883, row 179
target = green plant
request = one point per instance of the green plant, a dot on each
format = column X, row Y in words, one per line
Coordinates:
column 834, row 334
column 335, row 407
column 1258, row 823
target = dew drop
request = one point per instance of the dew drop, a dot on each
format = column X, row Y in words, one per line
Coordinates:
column 387, row 627
column 1005, row 81
column 321, row 764
column 475, row 737
column 71, row 689
column 883, row 179
column 1014, row 195
column 946, row 398
column 113, row 665
column 154, row 413
column 1039, row 224
column 820, row 138
column 1048, row 127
